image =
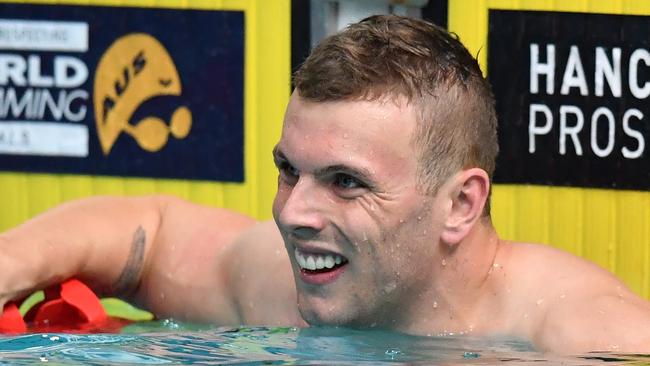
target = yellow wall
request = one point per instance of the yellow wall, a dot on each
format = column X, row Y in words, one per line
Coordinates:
column 609, row 227
column 266, row 85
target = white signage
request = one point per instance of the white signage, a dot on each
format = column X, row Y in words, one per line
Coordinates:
column 43, row 35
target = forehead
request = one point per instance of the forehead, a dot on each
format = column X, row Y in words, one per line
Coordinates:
column 352, row 131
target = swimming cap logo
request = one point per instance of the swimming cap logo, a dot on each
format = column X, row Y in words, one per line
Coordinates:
column 134, row 69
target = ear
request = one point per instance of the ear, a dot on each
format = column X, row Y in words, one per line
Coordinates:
column 469, row 191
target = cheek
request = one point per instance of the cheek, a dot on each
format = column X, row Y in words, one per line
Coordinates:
column 411, row 241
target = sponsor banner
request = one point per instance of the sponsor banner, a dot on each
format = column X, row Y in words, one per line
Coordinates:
column 572, row 98
column 122, row 91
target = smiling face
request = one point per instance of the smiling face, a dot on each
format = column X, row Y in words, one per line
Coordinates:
column 361, row 237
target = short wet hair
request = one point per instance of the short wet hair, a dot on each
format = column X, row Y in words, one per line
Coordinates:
column 391, row 56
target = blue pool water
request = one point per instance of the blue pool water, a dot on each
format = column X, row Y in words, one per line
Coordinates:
column 168, row 343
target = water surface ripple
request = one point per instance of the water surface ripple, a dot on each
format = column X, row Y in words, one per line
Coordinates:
column 168, row 343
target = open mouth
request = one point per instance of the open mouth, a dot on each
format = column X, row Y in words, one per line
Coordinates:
column 316, row 263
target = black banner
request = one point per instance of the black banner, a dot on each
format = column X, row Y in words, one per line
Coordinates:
column 122, row 91
column 572, row 98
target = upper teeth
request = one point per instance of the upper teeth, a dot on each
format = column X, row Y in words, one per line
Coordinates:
column 317, row 261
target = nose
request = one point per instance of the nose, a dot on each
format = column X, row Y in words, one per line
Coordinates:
column 300, row 208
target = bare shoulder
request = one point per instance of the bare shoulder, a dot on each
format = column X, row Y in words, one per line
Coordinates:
column 556, row 269
column 581, row 307
column 597, row 321
column 261, row 279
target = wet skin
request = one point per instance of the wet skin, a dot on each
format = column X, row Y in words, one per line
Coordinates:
column 347, row 193
column 347, row 187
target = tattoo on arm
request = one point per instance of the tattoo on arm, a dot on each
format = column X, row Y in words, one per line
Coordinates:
column 129, row 278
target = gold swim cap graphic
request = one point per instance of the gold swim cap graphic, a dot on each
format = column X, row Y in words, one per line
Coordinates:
column 134, row 69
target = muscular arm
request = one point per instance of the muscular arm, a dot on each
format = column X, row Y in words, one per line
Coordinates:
column 161, row 250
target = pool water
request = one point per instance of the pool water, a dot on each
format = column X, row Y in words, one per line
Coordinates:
column 169, row 343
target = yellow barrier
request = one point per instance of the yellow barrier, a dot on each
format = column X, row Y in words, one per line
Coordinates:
column 609, row 227
column 266, row 92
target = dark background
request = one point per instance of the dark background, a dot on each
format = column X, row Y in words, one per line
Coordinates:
column 435, row 11
column 510, row 34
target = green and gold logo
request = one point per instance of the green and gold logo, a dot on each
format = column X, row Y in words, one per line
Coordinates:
column 134, row 69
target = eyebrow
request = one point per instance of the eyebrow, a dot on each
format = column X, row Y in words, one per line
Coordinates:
column 357, row 172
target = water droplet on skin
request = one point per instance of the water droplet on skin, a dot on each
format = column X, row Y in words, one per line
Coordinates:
column 419, row 218
column 444, row 262
column 435, row 304
column 390, row 287
column 562, row 296
column 401, row 221
column 539, row 302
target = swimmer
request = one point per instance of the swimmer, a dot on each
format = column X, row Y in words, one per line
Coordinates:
column 381, row 219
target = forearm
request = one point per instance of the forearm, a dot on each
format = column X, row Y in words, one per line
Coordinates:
column 103, row 241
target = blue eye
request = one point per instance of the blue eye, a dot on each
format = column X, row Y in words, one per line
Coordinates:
column 347, row 182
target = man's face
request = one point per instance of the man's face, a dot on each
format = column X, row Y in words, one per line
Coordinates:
column 362, row 239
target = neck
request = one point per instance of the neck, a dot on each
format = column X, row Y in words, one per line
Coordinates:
column 463, row 286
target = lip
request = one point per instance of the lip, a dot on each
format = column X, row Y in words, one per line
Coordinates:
column 321, row 278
